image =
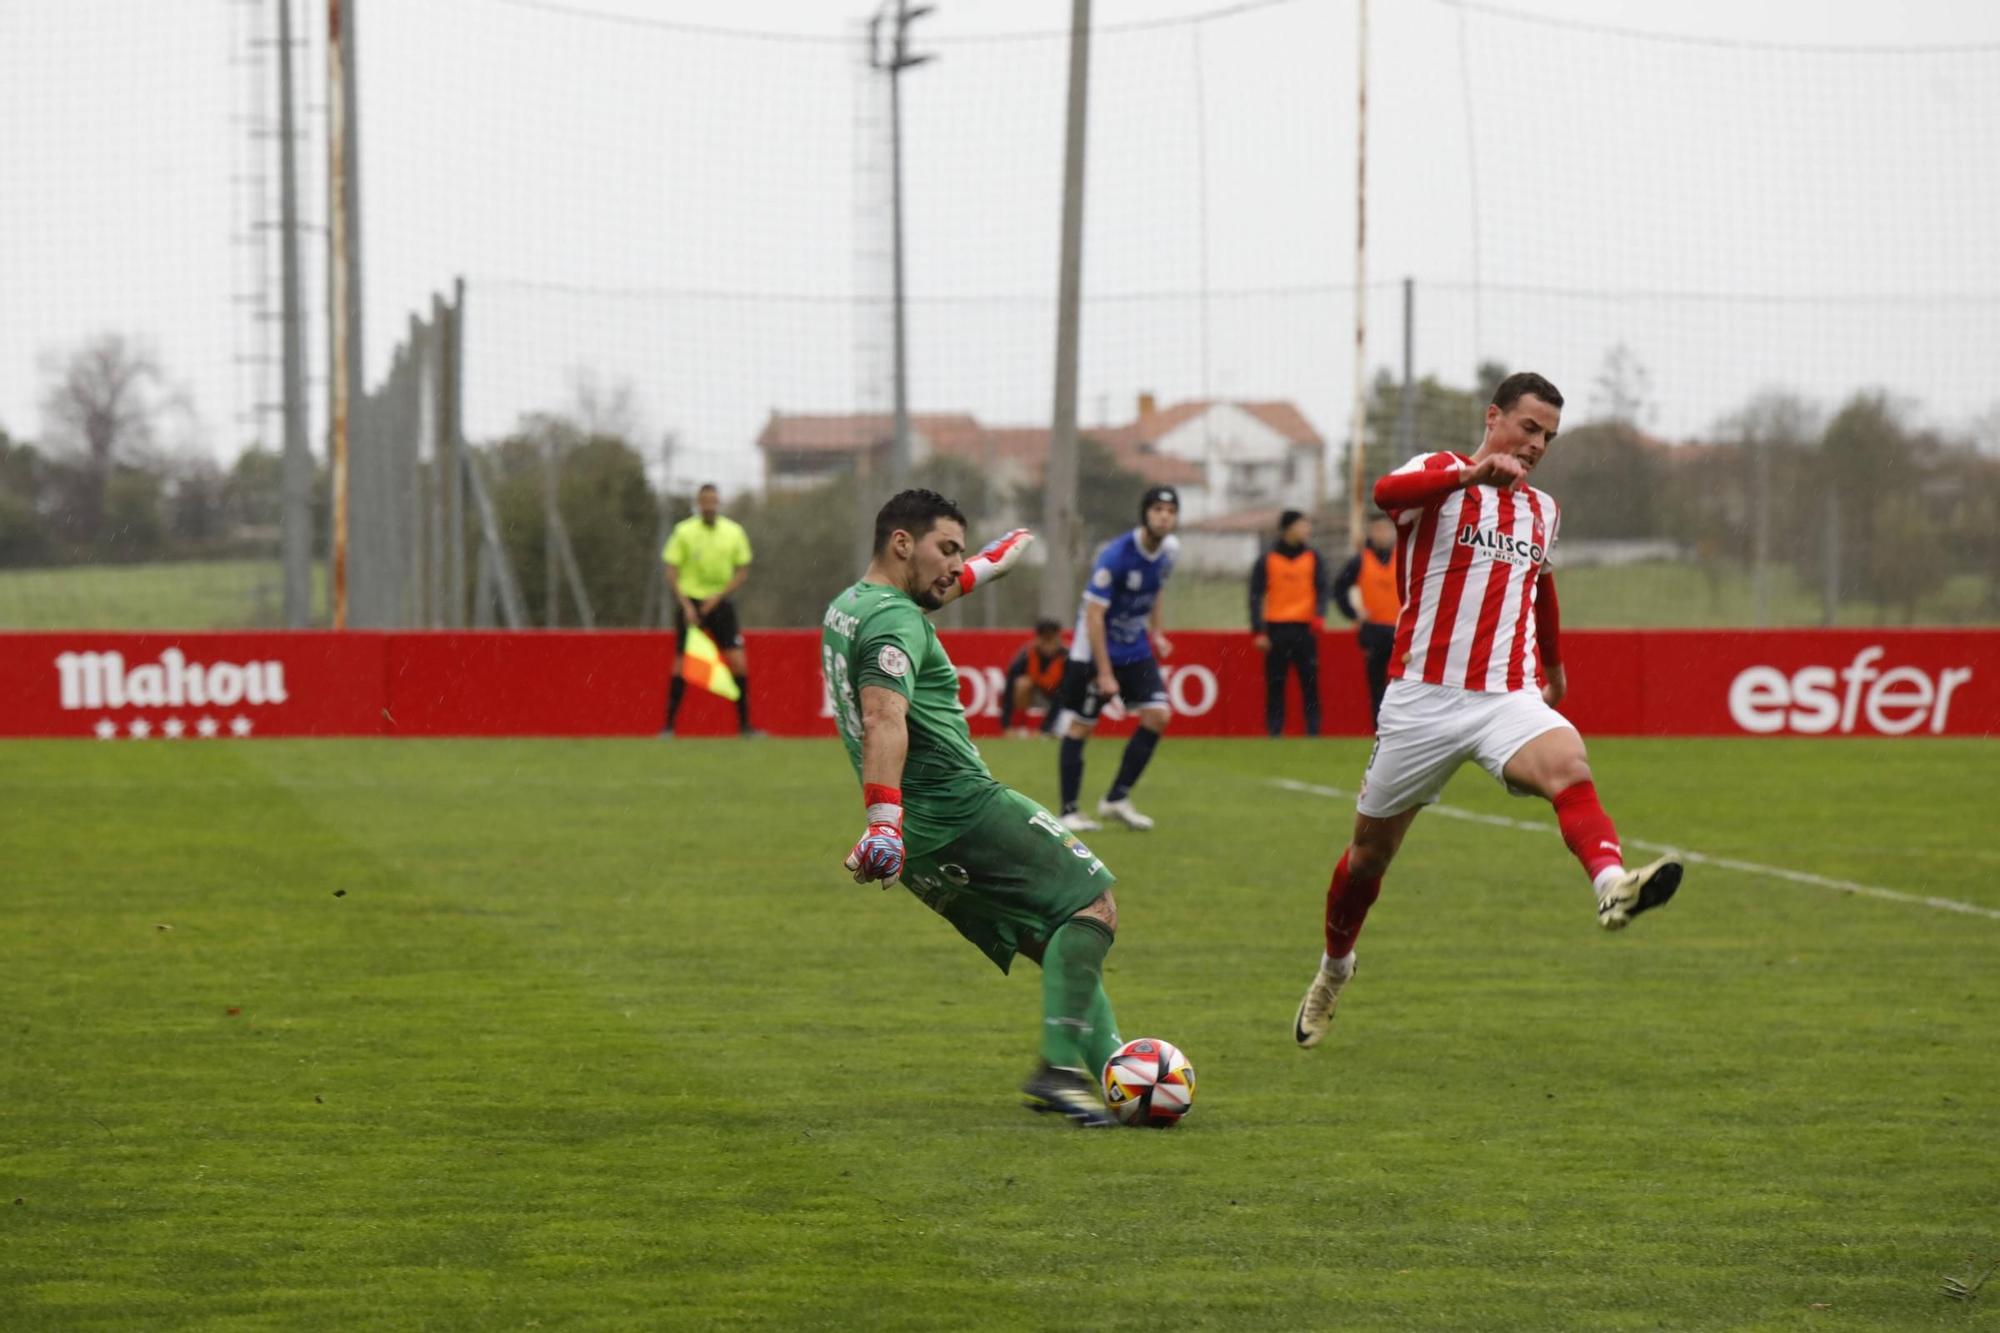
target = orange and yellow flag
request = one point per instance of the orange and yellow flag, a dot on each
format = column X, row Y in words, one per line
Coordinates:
column 701, row 664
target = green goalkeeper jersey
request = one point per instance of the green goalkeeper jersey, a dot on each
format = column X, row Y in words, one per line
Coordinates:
column 874, row 634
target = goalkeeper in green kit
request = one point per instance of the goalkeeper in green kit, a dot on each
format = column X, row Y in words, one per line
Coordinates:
column 993, row 863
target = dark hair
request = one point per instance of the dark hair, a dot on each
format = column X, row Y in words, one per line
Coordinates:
column 1047, row 626
column 709, row 486
column 914, row 512
column 1521, row 383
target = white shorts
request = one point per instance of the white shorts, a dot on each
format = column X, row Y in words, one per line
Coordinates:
column 1426, row 731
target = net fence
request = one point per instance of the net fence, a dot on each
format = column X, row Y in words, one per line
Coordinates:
column 1763, row 275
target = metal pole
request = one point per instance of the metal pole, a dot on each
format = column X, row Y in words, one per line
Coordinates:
column 1358, row 426
column 899, row 443
column 551, row 519
column 340, row 285
column 454, row 469
column 1059, row 504
column 295, row 525
column 899, row 60
column 1406, row 413
column 1760, row 535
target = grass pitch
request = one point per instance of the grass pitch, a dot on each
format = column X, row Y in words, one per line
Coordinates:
column 596, row 1035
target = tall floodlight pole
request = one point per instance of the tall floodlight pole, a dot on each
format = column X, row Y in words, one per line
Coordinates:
column 295, row 517
column 1059, row 516
column 1357, row 432
column 898, row 59
column 343, row 274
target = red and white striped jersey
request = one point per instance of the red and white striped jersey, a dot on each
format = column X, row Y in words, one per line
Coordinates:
column 1467, row 572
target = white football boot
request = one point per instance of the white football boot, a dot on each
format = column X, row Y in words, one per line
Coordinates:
column 1315, row 1014
column 1122, row 811
column 1638, row 891
column 1078, row 822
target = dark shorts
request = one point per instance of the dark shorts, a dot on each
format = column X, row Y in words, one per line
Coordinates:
column 720, row 625
column 1139, row 685
column 1013, row 877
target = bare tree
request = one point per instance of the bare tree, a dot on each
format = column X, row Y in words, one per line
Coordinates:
column 604, row 410
column 1623, row 388
column 106, row 404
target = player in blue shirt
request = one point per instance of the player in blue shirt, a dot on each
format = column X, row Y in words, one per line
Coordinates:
column 1114, row 652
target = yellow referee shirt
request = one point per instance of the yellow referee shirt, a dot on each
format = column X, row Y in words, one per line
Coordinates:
column 705, row 558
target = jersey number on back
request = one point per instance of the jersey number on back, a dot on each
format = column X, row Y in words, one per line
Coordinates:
column 842, row 690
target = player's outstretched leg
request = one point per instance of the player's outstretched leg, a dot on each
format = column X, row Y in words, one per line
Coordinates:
column 1592, row 838
column 1636, row 891
column 1348, row 898
column 1072, row 985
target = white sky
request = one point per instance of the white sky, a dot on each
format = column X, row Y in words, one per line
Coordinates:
column 688, row 214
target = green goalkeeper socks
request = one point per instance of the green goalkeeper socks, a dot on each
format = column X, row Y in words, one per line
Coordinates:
column 1073, row 993
column 1103, row 1042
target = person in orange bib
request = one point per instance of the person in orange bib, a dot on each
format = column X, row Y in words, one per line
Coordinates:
column 1365, row 592
column 1287, row 602
column 1034, row 675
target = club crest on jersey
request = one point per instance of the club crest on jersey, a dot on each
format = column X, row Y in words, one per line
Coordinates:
column 893, row 661
column 1134, row 579
column 1503, row 546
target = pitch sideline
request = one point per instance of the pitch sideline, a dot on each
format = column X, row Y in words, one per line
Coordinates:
column 1692, row 858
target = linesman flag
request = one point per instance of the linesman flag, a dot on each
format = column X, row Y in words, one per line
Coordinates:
column 701, row 664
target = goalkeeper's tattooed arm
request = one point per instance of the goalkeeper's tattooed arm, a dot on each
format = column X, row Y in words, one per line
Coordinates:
column 885, row 744
column 992, row 562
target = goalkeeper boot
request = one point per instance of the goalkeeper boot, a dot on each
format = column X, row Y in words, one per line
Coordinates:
column 1315, row 1014
column 1124, row 812
column 1078, row 822
column 1637, row 891
column 1067, row 1092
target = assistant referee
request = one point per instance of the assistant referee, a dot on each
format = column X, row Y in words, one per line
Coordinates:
column 708, row 559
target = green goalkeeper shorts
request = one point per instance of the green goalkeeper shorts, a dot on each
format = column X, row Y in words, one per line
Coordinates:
column 1014, row 876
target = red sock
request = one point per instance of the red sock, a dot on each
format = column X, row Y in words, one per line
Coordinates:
column 1587, row 829
column 1348, row 899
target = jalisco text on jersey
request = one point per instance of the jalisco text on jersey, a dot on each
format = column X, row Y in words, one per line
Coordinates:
column 1501, row 545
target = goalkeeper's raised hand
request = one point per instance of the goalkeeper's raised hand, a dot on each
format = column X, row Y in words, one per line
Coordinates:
column 994, row 559
column 879, row 853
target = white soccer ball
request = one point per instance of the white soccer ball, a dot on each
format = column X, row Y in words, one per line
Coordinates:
column 1149, row 1082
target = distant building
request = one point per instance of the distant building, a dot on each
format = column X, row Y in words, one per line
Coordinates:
column 1224, row 457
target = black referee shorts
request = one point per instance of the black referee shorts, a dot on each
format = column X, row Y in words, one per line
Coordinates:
column 719, row 624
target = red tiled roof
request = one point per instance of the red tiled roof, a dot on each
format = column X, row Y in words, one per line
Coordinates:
column 1262, row 520
column 804, row 432
column 1282, row 417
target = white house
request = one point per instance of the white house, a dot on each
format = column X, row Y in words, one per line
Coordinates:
column 1252, row 455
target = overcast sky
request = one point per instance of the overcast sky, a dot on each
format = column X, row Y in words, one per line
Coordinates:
column 697, row 215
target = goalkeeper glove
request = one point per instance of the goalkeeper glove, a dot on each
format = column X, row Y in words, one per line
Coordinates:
column 994, row 559
column 879, row 853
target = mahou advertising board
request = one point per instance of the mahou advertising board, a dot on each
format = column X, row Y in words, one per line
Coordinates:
column 123, row 687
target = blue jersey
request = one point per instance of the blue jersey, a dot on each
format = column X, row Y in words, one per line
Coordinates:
column 1126, row 582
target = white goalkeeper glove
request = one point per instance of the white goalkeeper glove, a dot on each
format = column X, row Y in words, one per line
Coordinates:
column 994, row 559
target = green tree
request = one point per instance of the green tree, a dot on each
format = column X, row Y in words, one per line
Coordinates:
column 134, row 520
column 1608, row 479
column 253, row 493
column 611, row 514
column 1443, row 416
column 606, row 506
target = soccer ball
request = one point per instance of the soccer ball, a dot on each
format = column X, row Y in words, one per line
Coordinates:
column 1149, row 1082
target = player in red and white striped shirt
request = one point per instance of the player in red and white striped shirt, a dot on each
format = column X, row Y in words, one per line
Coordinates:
column 1475, row 674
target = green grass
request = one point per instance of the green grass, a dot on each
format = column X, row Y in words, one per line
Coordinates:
column 192, row 594
column 413, row 1035
column 1644, row 596
column 228, row 594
